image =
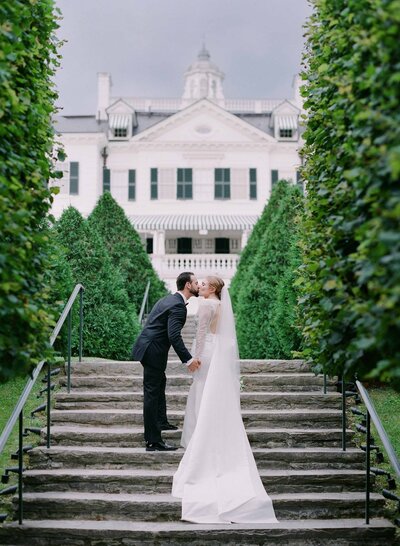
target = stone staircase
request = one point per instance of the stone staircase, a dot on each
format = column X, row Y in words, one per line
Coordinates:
column 97, row 485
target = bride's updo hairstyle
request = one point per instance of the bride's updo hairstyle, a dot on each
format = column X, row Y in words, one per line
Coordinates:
column 217, row 283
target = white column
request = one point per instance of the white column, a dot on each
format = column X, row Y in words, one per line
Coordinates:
column 245, row 236
column 161, row 243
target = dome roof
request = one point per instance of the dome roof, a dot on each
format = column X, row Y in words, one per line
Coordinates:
column 203, row 63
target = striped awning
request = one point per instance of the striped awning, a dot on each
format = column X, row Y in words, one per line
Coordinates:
column 286, row 122
column 119, row 121
column 186, row 222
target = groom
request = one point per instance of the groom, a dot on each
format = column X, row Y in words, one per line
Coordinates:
column 163, row 329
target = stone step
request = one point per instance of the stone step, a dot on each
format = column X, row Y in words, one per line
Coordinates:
column 137, row 458
column 100, row 367
column 160, row 481
column 251, row 382
column 257, row 401
column 308, row 532
column 280, row 418
column 133, row 436
column 162, row 507
column 182, row 381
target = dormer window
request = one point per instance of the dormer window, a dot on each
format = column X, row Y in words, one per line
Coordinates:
column 285, row 133
column 121, row 132
column 120, row 125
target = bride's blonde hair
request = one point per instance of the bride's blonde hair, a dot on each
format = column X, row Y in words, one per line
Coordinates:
column 217, row 283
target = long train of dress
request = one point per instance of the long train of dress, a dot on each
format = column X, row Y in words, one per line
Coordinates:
column 217, row 478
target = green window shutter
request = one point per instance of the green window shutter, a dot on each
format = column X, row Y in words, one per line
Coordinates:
column 274, row 177
column 106, row 180
column 131, row 185
column 74, row 178
column 153, row 183
column 253, row 183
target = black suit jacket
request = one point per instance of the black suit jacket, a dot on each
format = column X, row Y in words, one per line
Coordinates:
column 163, row 329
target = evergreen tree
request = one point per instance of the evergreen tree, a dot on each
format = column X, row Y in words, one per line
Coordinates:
column 126, row 250
column 268, row 276
column 249, row 252
column 110, row 320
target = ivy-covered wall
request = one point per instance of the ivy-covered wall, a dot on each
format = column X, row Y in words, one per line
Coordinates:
column 350, row 280
column 27, row 62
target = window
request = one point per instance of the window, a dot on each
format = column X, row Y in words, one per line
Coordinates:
column 285, row 133
column 121, row 132
column 222, row 188
column 274, row 177
column 149, row 245
column 106, row 180
column 153, row 183
column 184, row 245
column 222, row 245
column 74, row 178
column 184, row 188
column 131, row 185
column 253, row 183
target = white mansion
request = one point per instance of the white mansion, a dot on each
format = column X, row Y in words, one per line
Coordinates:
column 192, row 174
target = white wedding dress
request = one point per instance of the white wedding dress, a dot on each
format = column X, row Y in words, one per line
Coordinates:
column 217, row 478
column 203, row 347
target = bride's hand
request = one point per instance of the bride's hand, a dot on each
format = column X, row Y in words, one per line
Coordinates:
column 194, row 365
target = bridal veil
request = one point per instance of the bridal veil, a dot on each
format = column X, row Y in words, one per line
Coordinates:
column 217, row 478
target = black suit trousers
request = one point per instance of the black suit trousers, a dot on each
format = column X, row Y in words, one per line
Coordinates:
column 154, row 382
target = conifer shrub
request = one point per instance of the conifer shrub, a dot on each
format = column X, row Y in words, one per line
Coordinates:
column 249, row 252
column 110, row 319
column 266, row 305
column 126, row 250
column 28, row 60
column 350, row 281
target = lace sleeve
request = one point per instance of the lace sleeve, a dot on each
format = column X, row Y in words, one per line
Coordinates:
column 204, row 317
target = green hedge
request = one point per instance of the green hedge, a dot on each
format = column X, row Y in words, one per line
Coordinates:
column 126, row 250
column 249, row 252
column 266, row 303
column 110, row 319
column 350, row 280
column 27, row 63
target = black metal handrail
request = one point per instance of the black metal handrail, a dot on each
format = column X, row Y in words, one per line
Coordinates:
column 17, row 414
column 365, row 427
column 145, row 303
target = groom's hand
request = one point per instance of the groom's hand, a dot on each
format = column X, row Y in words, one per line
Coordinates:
column 194, row 365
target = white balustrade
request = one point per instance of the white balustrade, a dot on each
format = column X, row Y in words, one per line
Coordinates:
column 170, row 265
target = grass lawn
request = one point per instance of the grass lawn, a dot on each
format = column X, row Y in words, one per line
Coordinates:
column 387, row 405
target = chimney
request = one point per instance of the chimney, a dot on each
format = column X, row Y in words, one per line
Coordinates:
column 103, row 94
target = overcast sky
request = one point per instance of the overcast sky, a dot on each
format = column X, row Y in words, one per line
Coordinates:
column 147, row 45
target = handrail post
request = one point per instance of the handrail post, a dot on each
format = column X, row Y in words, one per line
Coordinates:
column 20, row 465
column 343, row 414
column 368, row 468
column 80, row 324
column 69, row 354
column 324, row 383
column 48, row 404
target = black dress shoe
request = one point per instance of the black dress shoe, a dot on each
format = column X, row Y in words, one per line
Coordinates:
column 160, row 446
column 168, row 426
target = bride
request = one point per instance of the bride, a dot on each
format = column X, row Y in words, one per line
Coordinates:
column 217, row 478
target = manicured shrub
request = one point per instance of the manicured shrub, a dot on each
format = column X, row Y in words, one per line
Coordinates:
column 126, row 250
column 27, row 63
column 110, row 319
column 266, row 303
column 350, row 280
column 249, row 252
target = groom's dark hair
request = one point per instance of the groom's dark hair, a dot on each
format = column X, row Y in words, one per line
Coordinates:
column 183, row 278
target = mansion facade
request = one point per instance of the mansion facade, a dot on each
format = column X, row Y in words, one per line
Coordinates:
column 193, row 174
